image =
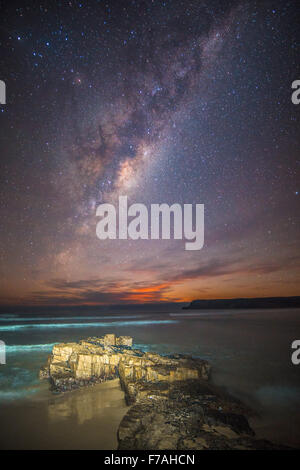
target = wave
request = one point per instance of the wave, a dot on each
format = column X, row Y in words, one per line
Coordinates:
column 205, row 313
column 16, row 348
column 85, row 325
column 8, row 395
column 188, row 314
column 9, row 318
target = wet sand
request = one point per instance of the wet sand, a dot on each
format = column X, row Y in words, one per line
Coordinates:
column 89, row 419
column 83, row 419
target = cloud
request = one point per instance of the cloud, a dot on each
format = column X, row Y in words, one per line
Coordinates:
column 98, row 291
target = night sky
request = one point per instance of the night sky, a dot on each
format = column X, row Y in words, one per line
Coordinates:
column 163, row 101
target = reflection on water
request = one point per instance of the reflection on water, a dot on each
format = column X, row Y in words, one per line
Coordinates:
column 87, row 404
column 83, row 419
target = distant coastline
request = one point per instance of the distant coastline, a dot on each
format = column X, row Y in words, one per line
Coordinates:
column 259, row 302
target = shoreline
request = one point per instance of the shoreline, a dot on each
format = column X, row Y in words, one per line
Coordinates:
column 104, row 403
column 174, row 404
column 86, row 418
column 90, row 406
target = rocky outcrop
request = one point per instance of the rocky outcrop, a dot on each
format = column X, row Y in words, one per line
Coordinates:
column 72, row 365
column 173, row 404
column 189, row 415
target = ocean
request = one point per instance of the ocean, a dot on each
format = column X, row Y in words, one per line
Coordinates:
column 250, row 352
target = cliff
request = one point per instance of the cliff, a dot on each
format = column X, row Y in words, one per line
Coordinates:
column 173, row 404
column 261, row 302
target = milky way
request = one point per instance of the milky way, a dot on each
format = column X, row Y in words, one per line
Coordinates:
column 156, row 89
column 162, row 101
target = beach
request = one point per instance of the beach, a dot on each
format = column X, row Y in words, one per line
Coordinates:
column 82, row 419
column 250, row 354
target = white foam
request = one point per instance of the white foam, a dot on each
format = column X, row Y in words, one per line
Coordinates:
column 84, row 325
column 10, row 318
column 17, row 348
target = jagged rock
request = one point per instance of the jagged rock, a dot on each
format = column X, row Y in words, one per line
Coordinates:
column 44, row 373
column 73, row 364
column 174, row 406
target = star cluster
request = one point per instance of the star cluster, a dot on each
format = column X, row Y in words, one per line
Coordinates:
column 163, row 101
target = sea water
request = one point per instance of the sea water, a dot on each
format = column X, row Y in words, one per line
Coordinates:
column 250, row 352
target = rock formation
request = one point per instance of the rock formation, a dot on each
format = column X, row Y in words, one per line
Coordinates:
column 173, row 404
column 263, row 302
